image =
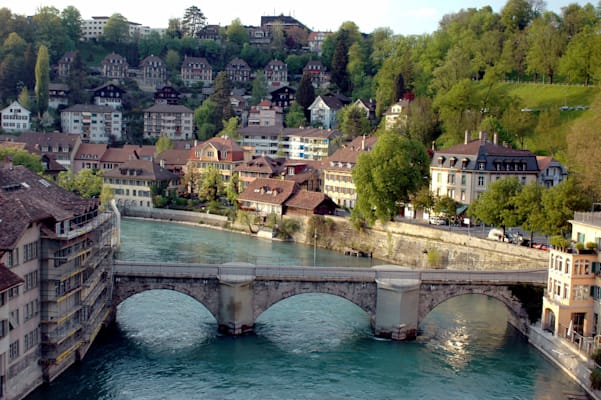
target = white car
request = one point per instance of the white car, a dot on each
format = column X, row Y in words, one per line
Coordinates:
column 437, row 221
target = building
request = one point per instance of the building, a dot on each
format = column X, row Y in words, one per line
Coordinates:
column 153, row 73
column 266, row 140
column 167, row 95
column 265, row 196
column 311, row 143
column 109, row 95
column 276, row 74
column 337, row 171
column 286, row 22
column 15, row 118
column 95, row 124
column 266, row 114
column 368, row 106
column 551, row 172
column 88, row 156
column 195, row 70
column 315, row 41
column 258, row 167
column 58, row 95
column 324, row 109
column 238, row 70
column 65, row 63
column 174, row 121
column 131, row 183
column 464, row 171
column 396, row 115
column 94, row 28
column 60, row 245
column 58, row 146
column 282, row 96
column 572, row 301
column 114, row 66
column 259, row 37
column 320, row 77
column 307, row 203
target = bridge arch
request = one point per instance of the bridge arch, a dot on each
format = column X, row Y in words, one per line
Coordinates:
column 268, row 293
column 205, row 293
column 432, row 295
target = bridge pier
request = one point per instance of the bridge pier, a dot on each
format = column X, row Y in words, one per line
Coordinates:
column 397, row 308
column 235, row 315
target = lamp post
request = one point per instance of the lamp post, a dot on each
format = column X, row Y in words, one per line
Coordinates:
column 314, row 245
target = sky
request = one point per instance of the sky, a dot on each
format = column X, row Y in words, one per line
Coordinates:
column 404, row 17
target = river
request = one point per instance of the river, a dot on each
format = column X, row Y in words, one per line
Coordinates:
column 312, row 346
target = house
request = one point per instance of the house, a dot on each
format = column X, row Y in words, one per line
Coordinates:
column 572, row 300
column 368, row 106
column 276, row 74
column 324, row 109
column 240, row 107
column 93, row 29
column 95, row 124
column 265, row 114
column 311, row 143
column 143, row 152
column 65, row 63
column 167, row 95
column 320, row 77
column 307, row 203
column 195, row 70
column 210, row 32
column 551, row 171
column 88, row 156
column 153, row 72
column 220, row 153
column 174, row 160
column 15, row 118
column 258, row 167
column 175, row 121
column 396, row 114
column 281, row 21
column 464, row 171
column 114, row 66
column 266, row 140
column 131, row 183
column 58, row 95
column 265, row 196
column 56, row 243
column 282, row 96
column 61, row 147
column 238, row 70
column 306, row 173
column 337, row 171
column 315, row 41
column 259, row 37
column 110, row 95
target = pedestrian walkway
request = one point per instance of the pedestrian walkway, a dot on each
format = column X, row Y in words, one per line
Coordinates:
column 566, row 356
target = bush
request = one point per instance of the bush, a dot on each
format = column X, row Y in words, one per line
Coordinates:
column 591, row 245
column 579, row 246
column 434, row 258
column 596, row 357
column 288, row 228
column 596, row 378
column 559, row 242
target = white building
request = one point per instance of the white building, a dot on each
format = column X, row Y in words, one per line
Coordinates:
column 95, row 124
column 15, row 118
column 175, row 121
column 94, row 28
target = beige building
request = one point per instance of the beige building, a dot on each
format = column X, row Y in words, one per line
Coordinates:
column 464, row 171
column 15, row 118
column 174, row 121
column 311, row 143
column 396, row 115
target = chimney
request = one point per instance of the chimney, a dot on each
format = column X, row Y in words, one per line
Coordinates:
column 495, row 139
column 434, row 145
column 162, row 163
column 195, row 142
column 8, row 162
column 363, row 143
column 467, row 136
column 482, row 136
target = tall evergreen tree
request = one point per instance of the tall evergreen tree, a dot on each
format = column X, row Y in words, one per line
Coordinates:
column 339, row 63
column 42, row 79
column 305, row 95
column 193, row 22
column 221, row 97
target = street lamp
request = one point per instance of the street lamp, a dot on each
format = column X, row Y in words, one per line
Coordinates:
column 314, row 245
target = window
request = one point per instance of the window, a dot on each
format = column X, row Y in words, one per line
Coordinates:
column 13, row 292
column 463, row 179
column 3, row 328
column 14, row 319
column 31, row 280
column 13, row 351
column 451, row 179
column 481, row 180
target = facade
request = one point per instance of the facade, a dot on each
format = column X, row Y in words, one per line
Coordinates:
column 258, row 167
column 167, row 95
column 337, row 171
column 88, row 156
column 315, row 41
column 266, row 140
column 238, row 70
column 324, row 109
column 464, row 171
column 153, row 72
column 572, row 301
column 396, row 115
column 58, row 95
column 320, row 77
column 65, row 63
column 15, row 118
column 131, row 182
column 285, row 22
column 283, row 96
column 276, row 74
column 369, row 107
column 94, row 28
column 60, row 245
column 58, row 146
column 174, row 121
column 552, row 172
column 109, row 95
column 307, row 203
column 266, row 114
column 114, row 66
column 265, row 196
column 311, row 143
column 95, row 124
column 259, row 37
column 195, row 70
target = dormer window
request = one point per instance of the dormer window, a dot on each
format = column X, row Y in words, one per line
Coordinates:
column 464, row 162
column 440, row 160
column 481, row 165
column 452, row 161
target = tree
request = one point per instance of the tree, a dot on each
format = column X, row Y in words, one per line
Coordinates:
column 116, row 29
column 582, row 57
column 211, row 186
column 339, row 63
column 237, row 34
column 353, row 121
column 295, row 117
column 546, row 45
column 559, row 203
column 445, row 205
column 259, row 88
column 232, row 189
column 528, row 206
column 204, row 120
column 174, row 29
column 193, row 21
column 172, row 59
column 163, row 143
column 29, row 160
column 222, row 90
column 305, row 95
column 423, row 199
column 230, row 129
column 50, row 32
column 77, row 80
column 87, row 183
column 387, row 176
column 24, row 98
column 517, row 15
column 72, row 21
column 42, row 79
column 495, row 206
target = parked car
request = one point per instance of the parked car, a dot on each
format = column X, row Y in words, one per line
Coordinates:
column 498, row 234
column 436, row 220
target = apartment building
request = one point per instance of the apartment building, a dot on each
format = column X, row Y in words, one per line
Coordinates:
column 174, row 121
column 95, row 124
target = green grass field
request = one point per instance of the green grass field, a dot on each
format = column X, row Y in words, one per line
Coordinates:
column 542, row 97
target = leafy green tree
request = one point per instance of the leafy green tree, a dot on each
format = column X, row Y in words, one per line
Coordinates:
column 204, row 120
column 77, row 80
column 559, row 203
column 193, row 22
column 116, row 29
column 232, row 189
column 423, row 199
column 295, row 117
column 387, row 176
column 163, row 143
column 172, row 59
column 237, row 34
column 14, row 44
column 422, row 121
column 50, row 32
column 339, row 63
column 42, row 79
column 528, row 206
column 305, row 95
column 495, row 205
column 72, row 21
column 230, row 129
column 211, row 186
column 513, row 56
column 174, row 28
column 580, row 63
column 87, row 183
column 31, row 161
column 517, row 14
column 222, row 89
column 546, row 44
column 353, row 121
column 259, row 88
column 445, row 205
column 24, row 98
column 106, row 196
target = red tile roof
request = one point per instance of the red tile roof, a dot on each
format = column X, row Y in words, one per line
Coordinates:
column 268, row 190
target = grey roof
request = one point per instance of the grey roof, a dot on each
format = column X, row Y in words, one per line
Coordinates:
column 90, row 108
column 174, row 108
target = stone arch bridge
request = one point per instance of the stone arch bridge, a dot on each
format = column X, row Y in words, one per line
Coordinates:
column 396, row 299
